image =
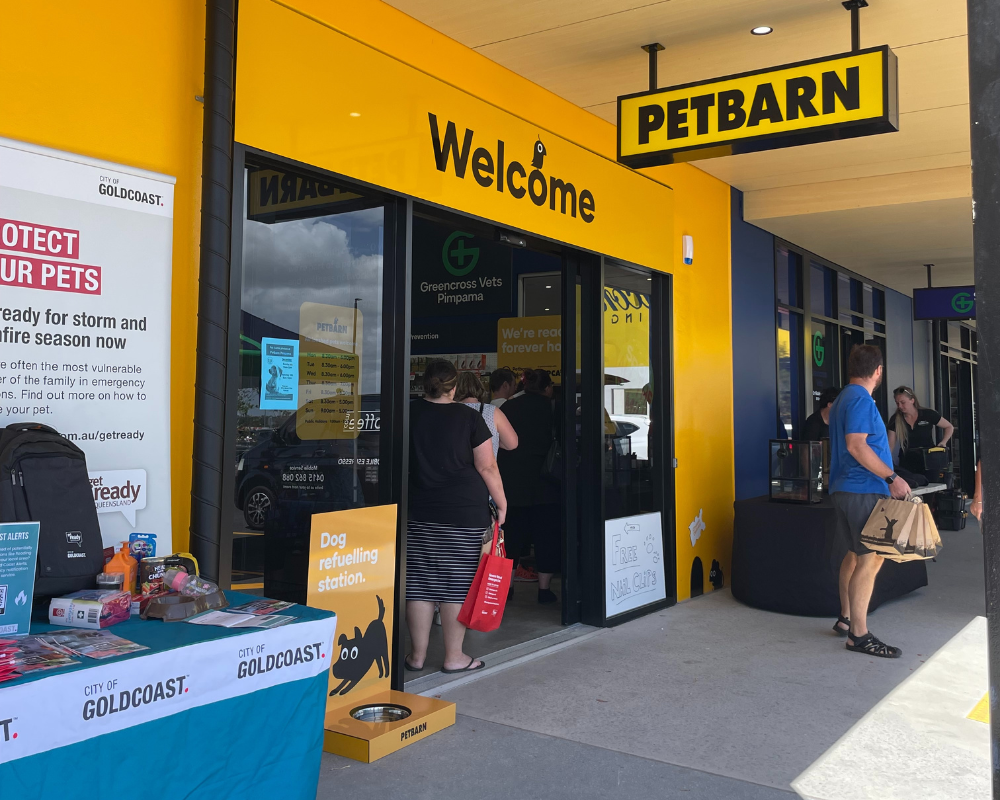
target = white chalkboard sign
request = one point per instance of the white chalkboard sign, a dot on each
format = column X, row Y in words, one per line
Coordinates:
column 633, row 563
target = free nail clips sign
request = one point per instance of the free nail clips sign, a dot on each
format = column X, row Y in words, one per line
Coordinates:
column 836, row 97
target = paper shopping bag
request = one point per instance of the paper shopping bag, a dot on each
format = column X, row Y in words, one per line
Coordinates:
column 484, row 605
column 920, row 537
column 932, row 531
column 890, row 521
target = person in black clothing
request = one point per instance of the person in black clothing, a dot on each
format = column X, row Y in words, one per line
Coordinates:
column 817, row 426
column 452, row 476
column 912, row 427
column 533, row 497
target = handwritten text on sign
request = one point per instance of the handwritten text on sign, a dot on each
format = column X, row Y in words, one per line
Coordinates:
column 633, row 563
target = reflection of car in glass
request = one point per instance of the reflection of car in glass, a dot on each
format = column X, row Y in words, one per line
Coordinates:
column 334, row 473
column 636, row 427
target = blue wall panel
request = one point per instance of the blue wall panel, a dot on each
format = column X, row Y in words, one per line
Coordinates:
column 899, row 342
column 755, row 379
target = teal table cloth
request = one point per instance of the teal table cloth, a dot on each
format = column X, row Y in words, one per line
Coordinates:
column 204, row 712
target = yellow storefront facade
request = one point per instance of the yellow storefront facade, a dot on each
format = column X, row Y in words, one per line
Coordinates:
column 380, row 103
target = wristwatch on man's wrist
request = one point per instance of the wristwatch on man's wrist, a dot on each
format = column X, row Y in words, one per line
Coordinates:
column 891, row 478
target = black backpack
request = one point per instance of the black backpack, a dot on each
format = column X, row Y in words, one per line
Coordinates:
column 44, row 479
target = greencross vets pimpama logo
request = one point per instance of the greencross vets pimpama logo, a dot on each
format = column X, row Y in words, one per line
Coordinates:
column 963, row 302
column 491, row 169
column 819, row 351
column 459, row 259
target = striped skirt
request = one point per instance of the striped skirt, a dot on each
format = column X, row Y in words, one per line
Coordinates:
column 441, row 561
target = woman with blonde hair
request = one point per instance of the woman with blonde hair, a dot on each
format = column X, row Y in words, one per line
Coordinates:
column 912, row 427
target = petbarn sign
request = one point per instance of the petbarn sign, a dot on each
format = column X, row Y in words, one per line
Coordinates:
column 837, row 97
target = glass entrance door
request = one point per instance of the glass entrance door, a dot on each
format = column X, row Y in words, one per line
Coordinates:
column 309, row 407
column 637, row 457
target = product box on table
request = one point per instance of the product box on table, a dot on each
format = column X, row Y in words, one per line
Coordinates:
column 91, row 608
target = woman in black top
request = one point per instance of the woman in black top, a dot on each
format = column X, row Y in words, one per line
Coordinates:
column 817, row 427
column 913, row 427
column 533, row 496
column 453, row 474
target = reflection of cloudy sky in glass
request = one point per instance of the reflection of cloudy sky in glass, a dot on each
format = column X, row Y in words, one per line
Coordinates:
column 332, row 260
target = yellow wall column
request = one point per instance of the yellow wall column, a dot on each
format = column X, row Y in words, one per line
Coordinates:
column 117, row 80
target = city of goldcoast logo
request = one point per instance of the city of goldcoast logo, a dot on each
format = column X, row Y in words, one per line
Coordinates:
column 117, row 700
column 493, row 170
column 7, row 727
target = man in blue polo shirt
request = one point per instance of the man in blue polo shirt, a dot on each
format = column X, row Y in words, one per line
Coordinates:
column 860, row 476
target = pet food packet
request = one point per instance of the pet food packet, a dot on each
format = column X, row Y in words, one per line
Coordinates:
column 151, row 572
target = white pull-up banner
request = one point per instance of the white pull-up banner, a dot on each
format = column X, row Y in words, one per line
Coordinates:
column 85, row 263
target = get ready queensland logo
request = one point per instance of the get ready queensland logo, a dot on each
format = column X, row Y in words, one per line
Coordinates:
column 493, row 170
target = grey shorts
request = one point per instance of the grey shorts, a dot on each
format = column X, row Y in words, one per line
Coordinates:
column 853, row 511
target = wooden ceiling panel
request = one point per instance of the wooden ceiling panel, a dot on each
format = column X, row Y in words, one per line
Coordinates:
column 923, row 138
column 487, row 22
column 890, row 243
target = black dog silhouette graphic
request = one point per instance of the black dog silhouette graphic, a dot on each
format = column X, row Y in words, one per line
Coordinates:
column 539, row 156
column 715, row 576
column 357, row 655
column 889, row 525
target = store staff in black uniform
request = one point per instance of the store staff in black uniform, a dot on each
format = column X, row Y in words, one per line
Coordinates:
column 913, row 428
column 817, row 427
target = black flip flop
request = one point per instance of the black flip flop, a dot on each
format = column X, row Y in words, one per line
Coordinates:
column 870, row 645
column 842, row 631
column 409, row 667
column 468, row 668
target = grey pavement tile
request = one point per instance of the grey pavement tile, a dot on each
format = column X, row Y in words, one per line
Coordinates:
column 479, row 760
column 716, row 686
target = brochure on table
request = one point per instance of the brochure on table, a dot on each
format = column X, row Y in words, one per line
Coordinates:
column 18, row 552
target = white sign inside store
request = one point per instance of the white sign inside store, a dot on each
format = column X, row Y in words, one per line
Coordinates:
column 85, row 264
column 633, row 563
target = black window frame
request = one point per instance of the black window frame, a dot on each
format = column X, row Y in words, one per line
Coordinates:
column 869, row 326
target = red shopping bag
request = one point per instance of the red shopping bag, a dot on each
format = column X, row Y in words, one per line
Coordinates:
column 483, row 608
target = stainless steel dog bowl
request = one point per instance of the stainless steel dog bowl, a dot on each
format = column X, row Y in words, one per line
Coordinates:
column 380, row 713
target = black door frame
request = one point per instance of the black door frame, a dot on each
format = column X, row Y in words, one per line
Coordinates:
column 583, row 525
column 591, row 504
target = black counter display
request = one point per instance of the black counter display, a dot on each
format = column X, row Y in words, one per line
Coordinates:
column 786, row 558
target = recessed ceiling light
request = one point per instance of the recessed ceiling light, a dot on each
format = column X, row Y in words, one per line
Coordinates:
column 548, row 309
column 761, row 30
column 548, row 286
column 649, row 279
column 356, row 114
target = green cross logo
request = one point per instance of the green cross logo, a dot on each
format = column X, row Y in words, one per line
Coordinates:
column 819, row 352
column 454, row 258
column 962, row 302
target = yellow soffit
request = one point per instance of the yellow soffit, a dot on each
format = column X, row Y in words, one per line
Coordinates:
column 343, row 106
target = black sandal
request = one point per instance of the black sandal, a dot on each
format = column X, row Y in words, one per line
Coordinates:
column 469, row 668
column 870, row 645
column 409, row 667
column 842, row 631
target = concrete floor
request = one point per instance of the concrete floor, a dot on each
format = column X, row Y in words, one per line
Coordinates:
column 524, row 619
column 706, row 699
column 934, row 711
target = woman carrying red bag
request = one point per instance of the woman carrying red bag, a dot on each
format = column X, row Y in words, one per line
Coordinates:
column 452, row 476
